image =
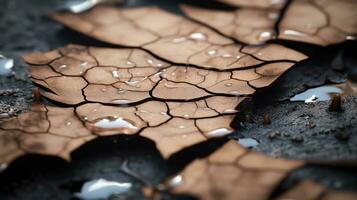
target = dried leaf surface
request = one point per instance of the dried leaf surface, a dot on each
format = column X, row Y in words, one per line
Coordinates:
column 312, row 21
column 320, row 22
column 170, row 37
column 191, row 103
column 308, row 190
column 248, row 25
column 128, row 76
column 231, row 172
column 256, row 3
column 58, row 131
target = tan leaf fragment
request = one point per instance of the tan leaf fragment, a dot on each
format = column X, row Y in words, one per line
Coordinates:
column 320, row 22
column 308, row 190
column 129, row 76
column 233, row 172
column 248, row 25
column 166, row 35
column 58, row 131
column 175, row 106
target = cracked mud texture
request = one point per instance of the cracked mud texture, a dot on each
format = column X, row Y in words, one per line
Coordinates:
column 25, row 31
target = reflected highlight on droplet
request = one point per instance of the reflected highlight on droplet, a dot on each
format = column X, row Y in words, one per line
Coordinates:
column 5, row 66
column 219, row 132
column 117, row 122
column 102, row 189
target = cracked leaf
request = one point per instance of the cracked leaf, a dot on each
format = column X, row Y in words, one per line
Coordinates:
column 132, row 76
column 176, row 106
column 233, row 171
column 171, row 37
column 311, row 21
column 308, row 190
column 320, row 22
column 256, row 3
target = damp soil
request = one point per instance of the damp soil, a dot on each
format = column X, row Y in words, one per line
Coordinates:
column 297, row 129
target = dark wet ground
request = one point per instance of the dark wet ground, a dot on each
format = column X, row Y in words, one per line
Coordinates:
column 297, row 130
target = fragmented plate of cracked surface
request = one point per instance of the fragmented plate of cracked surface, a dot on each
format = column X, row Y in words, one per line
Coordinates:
column 77, row 74
column 176, row 106
column 311, row 21
column 171, row 37
column 57, row 131
column 231, row 172
column 308, row 190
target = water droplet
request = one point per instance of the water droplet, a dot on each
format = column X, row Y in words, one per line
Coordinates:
column 227, row 55
column 322, row 93
column 198, row 36
column 69, row 123
column 63, row 66
column 134, row 83
column 273, row 15
column 102, row 189
column 143, row 111
column 229, row 111
column 179, row 39
column 121, row 91
column 350, row 37
column 3, row 166
column 248, row 142
column 176, row 181
column 103, row 89
column 228, row 84
column 211, row 52
column 219, row 132
column 273, row 2
column 186, row 116
column 85, row 118
column 84, row 63
column 263, row 36
column 150, row 61
column 129, row 62
column 294, row 33
column 117, row 122
column 182, row 126
column 115, row 74
column 170, row 86
column 159, row 65
column 121, row 101
column 5, row 66
column 164, row 113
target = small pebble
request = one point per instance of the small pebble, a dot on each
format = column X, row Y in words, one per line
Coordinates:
column 273, row 135
column 298, row 139
column 342, row 136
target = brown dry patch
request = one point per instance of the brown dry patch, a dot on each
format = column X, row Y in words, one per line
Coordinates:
column 129, row 76
column 166, row 35
column 312, row 21
column 233, row 172
column 308, row 190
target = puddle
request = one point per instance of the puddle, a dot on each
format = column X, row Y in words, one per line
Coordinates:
column 102, row 189
column 326, row 92
column 6, row 65
column 248, row 142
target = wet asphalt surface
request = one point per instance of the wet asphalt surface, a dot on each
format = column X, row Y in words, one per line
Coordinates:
column 25, row 28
